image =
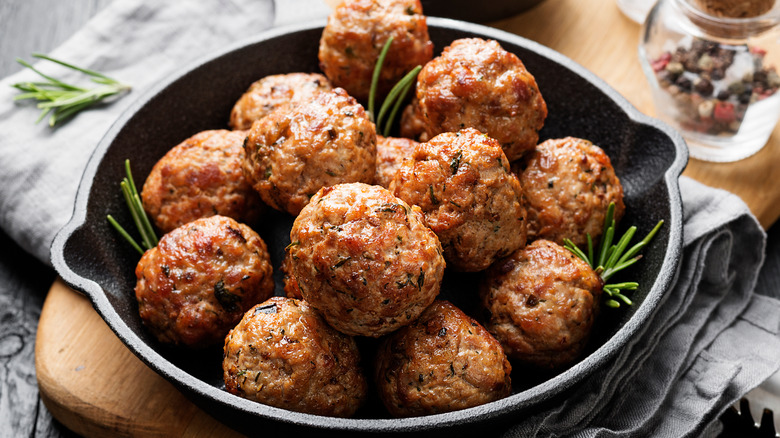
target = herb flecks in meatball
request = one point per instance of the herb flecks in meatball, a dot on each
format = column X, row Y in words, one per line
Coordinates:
column 463, row 185
column 475, row 83
column 444, row 361
column 283, row 354
column 365, row 259
column 567, row 185
column 200, row 279
column 355, row 34
column 540, row 303
column 292, row 153
column 201, row 177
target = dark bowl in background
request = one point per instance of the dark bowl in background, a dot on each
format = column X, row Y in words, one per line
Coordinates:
column 647, row 155
column 476, row 11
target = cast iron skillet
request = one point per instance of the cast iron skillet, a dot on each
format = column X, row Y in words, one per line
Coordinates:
column 647, row 155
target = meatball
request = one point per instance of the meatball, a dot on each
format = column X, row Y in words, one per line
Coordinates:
column 293, row 152
column 365, row 259
column 291, row 288
column 390, row 154
column 272, row 92
column 200, row 279
column 355, row 35
column 198, row 178
column 442, row 362
column 462, row 183
column 413, row 124
column 283, row 354
column 567, row 185
column 477, row 84
column 540, row 304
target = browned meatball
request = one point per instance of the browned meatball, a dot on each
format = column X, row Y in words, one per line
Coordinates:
column 292, row 153
column 477, row 84
column 444, row 361
column 471, row 200
column 283, row 354
column 355, row 34
column 200, row 279
column 413, row 124
column 291, row 288
column 568, row 184
column 365, row 259
column 541, row 302
column 390, row 154
column 272, row 92
column 198, row 178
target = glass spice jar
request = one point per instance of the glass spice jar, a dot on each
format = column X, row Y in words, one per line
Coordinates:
column 713, row 77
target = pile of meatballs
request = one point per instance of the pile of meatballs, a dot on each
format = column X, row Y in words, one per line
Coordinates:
column 464, row 187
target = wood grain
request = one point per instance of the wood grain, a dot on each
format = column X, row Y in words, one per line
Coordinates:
column 598, row 36
column 95, row 386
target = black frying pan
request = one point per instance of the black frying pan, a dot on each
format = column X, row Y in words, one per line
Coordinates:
column 647, row 155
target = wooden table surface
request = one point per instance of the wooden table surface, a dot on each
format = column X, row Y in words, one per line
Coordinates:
column 92, row 383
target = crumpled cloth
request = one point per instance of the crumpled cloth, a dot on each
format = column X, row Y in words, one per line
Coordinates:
column 711, row 340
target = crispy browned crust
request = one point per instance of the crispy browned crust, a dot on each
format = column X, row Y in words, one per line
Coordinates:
column 365, row 259
column 540, row 303
column 200, row 279
column 283, row 354
column 445, row 361
column 201, row 177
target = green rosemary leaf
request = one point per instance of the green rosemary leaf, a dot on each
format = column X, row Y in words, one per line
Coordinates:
column 52, row 81
column 590, row 249
column 620, row 247
column 628, row 285
column 130, row 180
column 636, row 248
column 397, row 106
column 624, row 298
column 612, row 259
column 141, row 220
column 124, row 234
column 147, row 226
column 606, row 244
column 71, row 66
column 608, row 273
column 375, row 77
column 61, row 100
column 394, row 92
column 134, row 212
column 568, row 244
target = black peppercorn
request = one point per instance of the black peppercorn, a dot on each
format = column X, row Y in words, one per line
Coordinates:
column 703, row 87
column 684, row 83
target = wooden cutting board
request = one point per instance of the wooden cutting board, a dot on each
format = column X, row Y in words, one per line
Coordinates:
column 96, row 387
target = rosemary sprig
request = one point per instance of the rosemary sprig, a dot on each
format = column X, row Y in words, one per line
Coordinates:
column 394, row 98
column 375, row 77
column 613, row 258
column 133, row 200
column 61, row 99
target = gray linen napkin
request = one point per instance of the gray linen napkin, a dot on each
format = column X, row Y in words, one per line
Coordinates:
column 710, row 341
